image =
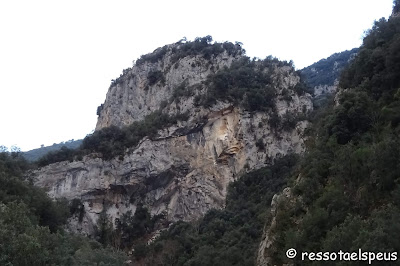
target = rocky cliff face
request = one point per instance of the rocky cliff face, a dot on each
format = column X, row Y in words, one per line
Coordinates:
column 147, row 86
column 185, row 170
column 323, row 76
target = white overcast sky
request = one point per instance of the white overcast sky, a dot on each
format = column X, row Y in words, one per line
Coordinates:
column 57, row 58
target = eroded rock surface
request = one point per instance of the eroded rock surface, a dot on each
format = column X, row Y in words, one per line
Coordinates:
column 185, row 171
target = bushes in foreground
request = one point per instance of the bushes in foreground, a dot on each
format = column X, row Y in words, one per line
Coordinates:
column 31, row 225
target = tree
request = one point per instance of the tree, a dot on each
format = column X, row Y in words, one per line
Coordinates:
column 396, row 6
column 132, row 227
column 104, row 229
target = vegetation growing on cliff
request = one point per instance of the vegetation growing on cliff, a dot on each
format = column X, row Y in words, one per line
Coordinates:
column 31, row 224
column 248, row 83
column 131, row 230
column 35, row 154
column 200, row 46
column 155, row 76
column 203, row 46
column 154, row 56
column 244, row 83
column 113, row 141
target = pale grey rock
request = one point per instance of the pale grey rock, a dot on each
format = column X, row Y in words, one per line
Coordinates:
column 183, row 176
column 133, row 97
column 186, row 170
column 325, row 89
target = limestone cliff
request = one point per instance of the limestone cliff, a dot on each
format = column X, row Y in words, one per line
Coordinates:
column 142, row 89
column 185, row 170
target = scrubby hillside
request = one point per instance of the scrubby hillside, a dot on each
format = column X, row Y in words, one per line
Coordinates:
column 346, row 194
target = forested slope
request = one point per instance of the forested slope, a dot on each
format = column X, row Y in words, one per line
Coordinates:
column 347, row 196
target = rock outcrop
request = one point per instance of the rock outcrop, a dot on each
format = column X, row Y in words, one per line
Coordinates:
column 133, row 95
column 264, row 250
column 186, row 169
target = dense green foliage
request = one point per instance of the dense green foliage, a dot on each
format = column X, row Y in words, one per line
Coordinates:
column 183, row 90
column 155, row 76
column 132, row 227
column 229, row 236
column 247, row 83
column 242, row 78
column 326, row 71
column 376, row 68
column 36, row 154
column 63, row 154
column 348, row 194
column 14, row 188
column 203, row 46
column 31, row 224
column 200, row 46
column 113, row 141
column 153, row 57
column 131, row 232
